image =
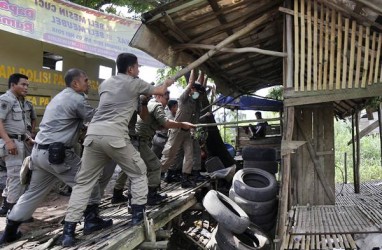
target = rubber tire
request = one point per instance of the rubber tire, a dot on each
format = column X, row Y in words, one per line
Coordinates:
column 230, row 241
column 255, row 184
column 253, row 207
column 258, row 154
column 226, row 212
column 271, row 167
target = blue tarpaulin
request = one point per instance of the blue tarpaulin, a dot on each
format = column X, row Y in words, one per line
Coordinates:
column 249, row 103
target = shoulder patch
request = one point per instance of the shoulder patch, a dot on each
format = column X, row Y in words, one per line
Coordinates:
column 4, row 105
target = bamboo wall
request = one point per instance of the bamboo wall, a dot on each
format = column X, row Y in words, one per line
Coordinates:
column 332, row 52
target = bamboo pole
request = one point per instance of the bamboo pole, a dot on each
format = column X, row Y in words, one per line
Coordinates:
column 372, row 56
column 366, row 58
column 302, row 39
column 309, row 52
column 289, row 48
column 326, row 47
column 235, row 122
column 345, row 53
column 339, row 50
column 232, row 50
column 359, row 57
column 332, row 48
column 222, row 44
column 352, row 54
column 296, row 47
column 315, row 47
column 321, row 48
column 377, row 59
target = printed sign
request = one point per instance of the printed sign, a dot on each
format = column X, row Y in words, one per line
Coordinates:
column 73, row 26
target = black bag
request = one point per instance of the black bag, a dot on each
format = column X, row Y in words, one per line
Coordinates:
column 57, row 153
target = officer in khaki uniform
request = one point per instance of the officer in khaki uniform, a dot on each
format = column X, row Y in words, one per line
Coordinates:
column 188, row 111
column 13, row 135
column 61, row 123
column 107, row 139
column 146, row 130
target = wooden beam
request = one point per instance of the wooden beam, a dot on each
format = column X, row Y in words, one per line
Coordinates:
column 371, row 6
column 232, row 50
column 294, row 99
column 366, row 130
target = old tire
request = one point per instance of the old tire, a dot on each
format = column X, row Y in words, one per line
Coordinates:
column 255, row 184
column 253, row 207
column 258, row 154
column 271, row 167
column 253, row 238
column 226, row 212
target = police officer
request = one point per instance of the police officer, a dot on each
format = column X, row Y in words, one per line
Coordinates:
column 13, row 135
column 145, row 130
column 59, row 127
column 188, row 111
column 107, row 139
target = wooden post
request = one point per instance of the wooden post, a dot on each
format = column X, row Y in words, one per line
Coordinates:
column 380, row 127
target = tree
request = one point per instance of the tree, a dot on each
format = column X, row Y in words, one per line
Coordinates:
column 133, row 6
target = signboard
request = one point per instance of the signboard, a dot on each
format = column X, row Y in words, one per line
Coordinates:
column 72, row 26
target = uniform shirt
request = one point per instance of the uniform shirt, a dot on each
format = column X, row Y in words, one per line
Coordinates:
column 189, row 109
column 30, row 114
column 118, row 100
column 64, row 117
column 11, row 113
column 156, row 119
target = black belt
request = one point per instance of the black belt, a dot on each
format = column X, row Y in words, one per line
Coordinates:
column 46, row 146
column 18, row 137
column 161, row 136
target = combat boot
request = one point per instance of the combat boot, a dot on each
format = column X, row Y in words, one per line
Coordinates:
column 154, row 198
column 92, row 220
column 172, row 176
column 137, row 214
column 68, row 239
column 11, row 232
column 187, row 181
column 118, row 196
column 5, row 207
column 197, row 177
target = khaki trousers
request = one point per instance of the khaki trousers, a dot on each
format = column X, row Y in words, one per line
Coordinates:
column 98, row 151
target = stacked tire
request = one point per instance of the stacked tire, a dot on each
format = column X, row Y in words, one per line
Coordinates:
column 255, row 191
column 235, row 231
column 260, row 158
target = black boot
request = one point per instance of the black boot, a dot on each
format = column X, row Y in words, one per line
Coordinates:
column 137, row 213
column 197, row 177
column 154, row 198
column 11, row 232
column 92, row 220
column 187, row 181
column 118, row 196
column 5, row 207
column 172, row 176
column 68, row 239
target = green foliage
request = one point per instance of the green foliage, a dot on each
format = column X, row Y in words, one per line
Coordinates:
column 133, row 6
column 168, row 72
column 370, row 150
column 276, row 93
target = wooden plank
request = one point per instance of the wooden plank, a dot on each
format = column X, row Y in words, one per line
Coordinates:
column 326, row 48
column 315, row 42
column 372, row 56
column 302, row 39
column 296, row 47
column 339, row 50
column 332, row 49
column 352, row 54
column 359, row 57
column 345, row 54
column 321, row 48
column 366, row 58
column 309, row 52
column 377, row 62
